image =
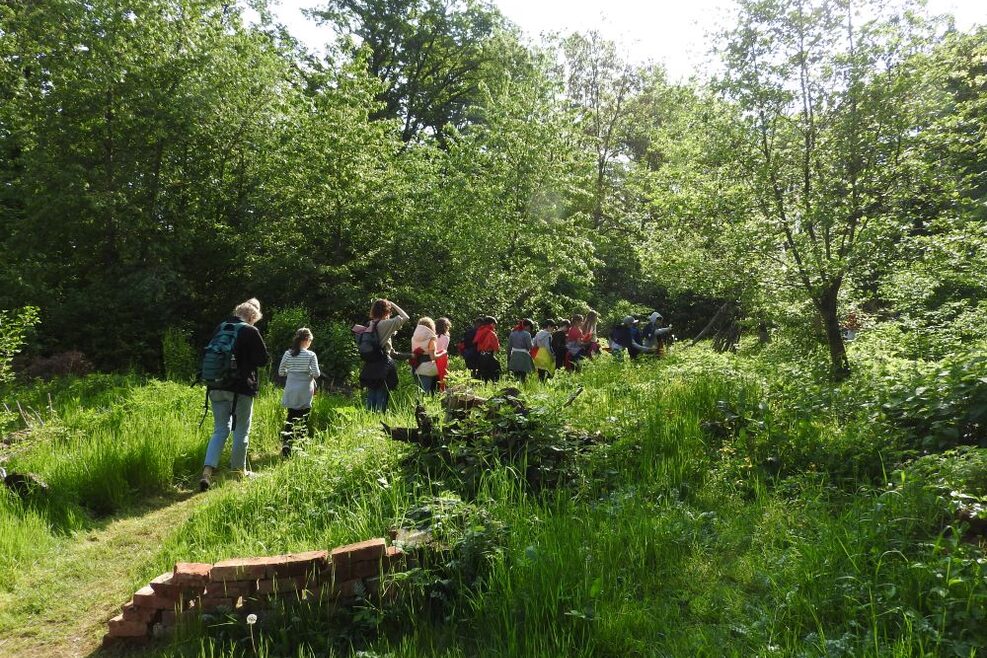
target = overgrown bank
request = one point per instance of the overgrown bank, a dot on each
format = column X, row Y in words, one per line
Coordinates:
column 723, row 510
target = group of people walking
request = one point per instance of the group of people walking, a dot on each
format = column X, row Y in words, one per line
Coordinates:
column 237, row 351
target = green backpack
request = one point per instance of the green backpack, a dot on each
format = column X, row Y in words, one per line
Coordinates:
column 219, row 369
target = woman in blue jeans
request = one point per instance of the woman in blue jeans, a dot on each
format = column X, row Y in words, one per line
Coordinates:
column 232, row 404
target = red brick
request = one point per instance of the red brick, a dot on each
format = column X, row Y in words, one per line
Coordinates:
column 171, row 618
column 211, row 604
column 314, row 593
column 230, row 588
column 281, row 585
column 372, row 549
column 396, row 559
column 299, row 564
column 350, row 588
column 366, row 569
column 357, row 560
column 132, row 612
column 385, row 591
column 191, row 574
column 145, row 597
column 121, row 628
column 248, row 568
column 164, row 586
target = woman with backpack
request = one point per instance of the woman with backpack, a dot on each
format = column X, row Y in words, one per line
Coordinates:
column 229, row 368
column 379, row 374
column 301, row 367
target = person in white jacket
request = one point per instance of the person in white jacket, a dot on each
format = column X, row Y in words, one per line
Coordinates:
column 300, row 366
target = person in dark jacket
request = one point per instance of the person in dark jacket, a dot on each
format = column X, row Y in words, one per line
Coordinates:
column 467, row 346
column 232, row 406
column 558, row 342
column 625, row 336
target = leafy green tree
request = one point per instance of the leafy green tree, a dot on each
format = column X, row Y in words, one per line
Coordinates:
column 430, row 56
column 827, row 101
column 132, row 135
column 600, row 86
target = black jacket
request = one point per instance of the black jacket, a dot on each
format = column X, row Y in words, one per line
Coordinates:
column 250, row 353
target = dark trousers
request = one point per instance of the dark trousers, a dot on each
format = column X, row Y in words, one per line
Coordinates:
column 295, row 427
column 488, row 367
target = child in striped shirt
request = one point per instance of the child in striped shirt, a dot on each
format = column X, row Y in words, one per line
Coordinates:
column 301, row 367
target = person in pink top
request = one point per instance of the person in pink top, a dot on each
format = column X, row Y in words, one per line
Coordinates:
column 425, row 354
column 442, row 328
column 574, row 342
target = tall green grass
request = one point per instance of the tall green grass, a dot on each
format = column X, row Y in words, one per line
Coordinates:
column 675, row 544
column 678, row 539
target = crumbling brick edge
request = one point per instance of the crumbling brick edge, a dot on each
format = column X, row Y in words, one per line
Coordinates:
column 253, row 584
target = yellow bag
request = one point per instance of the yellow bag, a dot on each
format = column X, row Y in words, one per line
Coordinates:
column 543, row 359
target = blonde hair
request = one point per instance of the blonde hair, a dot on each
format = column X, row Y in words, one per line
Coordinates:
column 428, row 322
column 249, row 311
column 591, row 320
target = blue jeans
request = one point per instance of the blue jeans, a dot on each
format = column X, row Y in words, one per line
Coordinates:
column 377, row 398
column 222, row 414
column 427, row 383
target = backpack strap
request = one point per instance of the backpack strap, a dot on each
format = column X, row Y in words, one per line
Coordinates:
column 205, row 410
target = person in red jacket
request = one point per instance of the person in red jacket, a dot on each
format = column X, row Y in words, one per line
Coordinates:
column 487, row 346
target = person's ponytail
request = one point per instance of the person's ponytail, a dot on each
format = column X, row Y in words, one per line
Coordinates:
column 301, row 336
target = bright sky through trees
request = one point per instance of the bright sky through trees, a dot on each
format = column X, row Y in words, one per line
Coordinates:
column 667, row 31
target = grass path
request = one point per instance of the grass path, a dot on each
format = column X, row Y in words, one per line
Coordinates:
column 59, row 605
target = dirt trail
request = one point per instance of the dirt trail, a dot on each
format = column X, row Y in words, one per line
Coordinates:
column 60, row 604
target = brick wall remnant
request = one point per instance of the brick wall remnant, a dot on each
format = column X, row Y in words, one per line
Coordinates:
column 254, row 584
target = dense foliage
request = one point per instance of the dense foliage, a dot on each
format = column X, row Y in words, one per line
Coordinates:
column 163, row 159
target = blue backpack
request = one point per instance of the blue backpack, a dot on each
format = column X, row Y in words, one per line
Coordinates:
column 218, row 369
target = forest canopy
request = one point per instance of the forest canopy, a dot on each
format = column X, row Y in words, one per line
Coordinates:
column 161, row 160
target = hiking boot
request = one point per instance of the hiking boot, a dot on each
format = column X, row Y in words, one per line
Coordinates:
column 243, row 474
column 286, row 451
column 206, row 480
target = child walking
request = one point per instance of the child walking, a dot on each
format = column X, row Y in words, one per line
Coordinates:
column 442, row 328
column 301, row 367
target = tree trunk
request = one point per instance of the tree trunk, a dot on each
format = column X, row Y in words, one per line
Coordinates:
column 726, row 308
column 826, row 305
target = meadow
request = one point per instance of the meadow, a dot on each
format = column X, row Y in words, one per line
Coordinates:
column 731, row 505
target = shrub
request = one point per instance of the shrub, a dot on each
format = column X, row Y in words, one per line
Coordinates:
column 944, row 406
column 338, row 357
column 61, row 364
column 14, row 326
column 180, row 360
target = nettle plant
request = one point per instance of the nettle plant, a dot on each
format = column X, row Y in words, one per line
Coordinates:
column 944, row 406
